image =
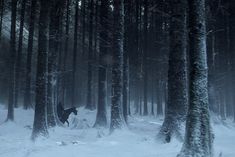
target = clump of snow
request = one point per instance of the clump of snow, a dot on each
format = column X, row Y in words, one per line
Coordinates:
column 81, row 139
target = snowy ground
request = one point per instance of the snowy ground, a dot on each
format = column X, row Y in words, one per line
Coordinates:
column 137, row 141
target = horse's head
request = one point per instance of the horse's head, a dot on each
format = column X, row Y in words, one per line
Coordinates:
column 75, row 111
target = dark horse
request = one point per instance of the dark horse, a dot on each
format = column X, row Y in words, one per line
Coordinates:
column 63, row 114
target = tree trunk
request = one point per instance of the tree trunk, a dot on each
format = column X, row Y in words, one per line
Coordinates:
column 145, row 56
column 40, row 123
column 127, row 43
column 52, row 63
column 222, row 105
column 117, row 120
column 159, row 98
column 10, row 115
column 101, row 119
column 83, row 22
column 19, row 53
column 64, row 79
column 2, row 7
column 177, row 77
column 140, row 105
column 136, row 98
column 28, row 93
column 198, row 138
column 232, row 48
column 152, row 100
column 56, row 14
column 96, row 26
column 89, row 104
column 137, row 59
column 75, row 45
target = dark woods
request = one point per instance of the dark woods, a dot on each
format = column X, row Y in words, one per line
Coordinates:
column 144, row 57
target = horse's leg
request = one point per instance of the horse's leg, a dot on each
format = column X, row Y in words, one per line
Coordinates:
column 67, row 122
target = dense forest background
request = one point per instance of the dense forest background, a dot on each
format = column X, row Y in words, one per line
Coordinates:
column 146, row 48
column 136, row 56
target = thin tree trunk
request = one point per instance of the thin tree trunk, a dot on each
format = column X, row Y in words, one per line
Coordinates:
column 83, row 13
column 232, row 48
column 140, row 105
column 129, row 91
column 152, row 101
column 137, row 60
column 222, row 105
column 2, row 7
column 159, row 99
column 89, row 104
column 96, row 26
column 127, row 5
column 136, row 99
column 75, row 45
column 145, row 56
column 28, row 92
column 65, row 51
column 19, row 53
column 228, row 87
column 10, row 114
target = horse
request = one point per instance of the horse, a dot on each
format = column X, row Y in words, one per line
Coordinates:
column 64, row 114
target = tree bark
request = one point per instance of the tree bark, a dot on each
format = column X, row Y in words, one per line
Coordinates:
column 127, row 44
column 2, row 6
column 89, row 104
column 56, row 14
column 117, row 120
column 28, row 88
column 83, row 22
column 159, row 98
column 232, row 48
column 64, row 79
column 75, row 45
column 10, row 114
column 40, row 123
column 222, row 105
column 198, row 138
column 19, row 53
column 177, row 76
column 145, row 56
column 101, row 117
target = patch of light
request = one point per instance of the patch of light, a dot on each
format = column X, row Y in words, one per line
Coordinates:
column 111, row 6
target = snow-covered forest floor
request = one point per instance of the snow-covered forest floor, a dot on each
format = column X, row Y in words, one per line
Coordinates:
column 84, row 141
